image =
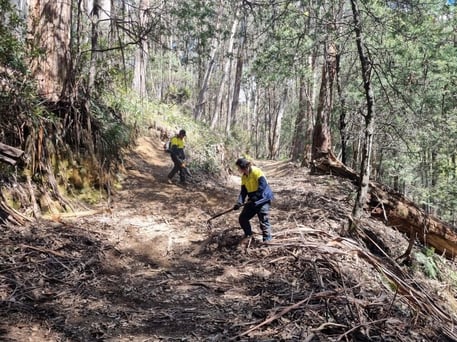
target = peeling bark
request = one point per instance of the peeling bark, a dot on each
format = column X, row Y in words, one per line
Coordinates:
column 49, row 27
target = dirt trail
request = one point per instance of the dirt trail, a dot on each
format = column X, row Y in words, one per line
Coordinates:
column 150, row 209
column 150, row 281
column 151, row 270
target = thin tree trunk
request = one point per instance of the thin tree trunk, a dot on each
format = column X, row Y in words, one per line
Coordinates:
column 253, row 123
column 342, row 121
column 201, row 100
column 220, row 93
column 237, row 83
column 94, row 15
column 298, row 144
column 274, row 126
column 369, row 116
column 141, row 53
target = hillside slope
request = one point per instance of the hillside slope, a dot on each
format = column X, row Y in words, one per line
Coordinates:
column 151, row 268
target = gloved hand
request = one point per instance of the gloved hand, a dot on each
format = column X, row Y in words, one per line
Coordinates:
column 250, row 204
column 237, row 206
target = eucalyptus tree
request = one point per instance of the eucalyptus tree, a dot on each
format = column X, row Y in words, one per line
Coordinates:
column 286, row 73
column 198, row 37
column 141, row 52
column 210, row 38
column 396, row 76
column 322, row 137
column 267, row 78
column 234, row 97
column 49, row 26
column 369, row 115
column 412, row 57
column 223, row 90
column 277, row 62
column 307, row 73
column 298, row 44
column 415, row 70
column 69, row 56
column 15, row 85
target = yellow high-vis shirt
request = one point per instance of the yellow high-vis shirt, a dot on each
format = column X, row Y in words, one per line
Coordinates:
column 251, row 181
column 177, row 141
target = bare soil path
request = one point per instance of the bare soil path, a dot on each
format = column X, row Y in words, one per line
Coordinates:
column 152, row 269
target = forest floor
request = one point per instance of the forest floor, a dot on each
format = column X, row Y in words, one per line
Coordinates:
column 153, row 268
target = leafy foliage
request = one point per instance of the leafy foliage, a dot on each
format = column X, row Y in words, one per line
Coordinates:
column 11, row 35
column 203, row 147
column 280, row 46
column 427, row 263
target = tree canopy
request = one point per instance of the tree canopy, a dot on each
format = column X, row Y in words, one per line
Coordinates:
column 283, row 78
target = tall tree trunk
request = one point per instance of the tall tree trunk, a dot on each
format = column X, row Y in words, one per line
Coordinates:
column 365, row 63
column 198, row 109
column 215, row 42
column 49, row 25
column 141, row 53
column 116, row 35
column 342, row 122
column 252, row 124
column 322, row 141
column 94, row 15
column 231, row 116
column 298, row 144
column 303, row 127
column 275, row 124
column 220, row 93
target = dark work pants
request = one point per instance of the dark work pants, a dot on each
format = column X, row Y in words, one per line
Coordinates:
column 262, row 212
column 177, row 168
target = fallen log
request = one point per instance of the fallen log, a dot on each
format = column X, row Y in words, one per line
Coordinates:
column 10, row 154
column 408, row 218
column 397, row 211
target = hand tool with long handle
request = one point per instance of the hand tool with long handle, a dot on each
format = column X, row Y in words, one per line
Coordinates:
column 223, row 213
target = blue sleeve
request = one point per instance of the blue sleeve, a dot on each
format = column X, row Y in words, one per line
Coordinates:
column 263, row 193
column 243, row 194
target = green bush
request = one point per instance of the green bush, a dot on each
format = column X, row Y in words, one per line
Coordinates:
column 427, row 264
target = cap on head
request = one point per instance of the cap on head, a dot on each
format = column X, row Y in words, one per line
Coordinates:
column 242, row 163
column 182, row 133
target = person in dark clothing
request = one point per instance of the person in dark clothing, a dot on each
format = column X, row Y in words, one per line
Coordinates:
column 255, row 188
column 178, row 157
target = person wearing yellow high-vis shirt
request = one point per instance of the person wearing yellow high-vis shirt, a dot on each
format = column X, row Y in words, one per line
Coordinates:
column 178, row 156
column 254, row 188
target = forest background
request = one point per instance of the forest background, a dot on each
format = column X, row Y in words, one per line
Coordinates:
column 370, row 83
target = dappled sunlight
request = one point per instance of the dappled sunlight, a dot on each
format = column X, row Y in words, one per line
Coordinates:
column 153, row 268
